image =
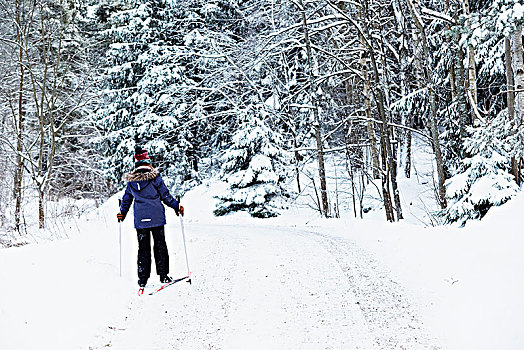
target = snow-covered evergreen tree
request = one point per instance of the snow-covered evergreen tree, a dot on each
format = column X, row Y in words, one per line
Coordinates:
column 161, row 84
column 254, row 168
column 486, row 181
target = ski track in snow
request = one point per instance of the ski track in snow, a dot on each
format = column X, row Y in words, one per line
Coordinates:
column 272, row 288
column 388, row 313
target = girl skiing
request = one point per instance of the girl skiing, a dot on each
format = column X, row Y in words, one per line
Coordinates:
column 146, row 187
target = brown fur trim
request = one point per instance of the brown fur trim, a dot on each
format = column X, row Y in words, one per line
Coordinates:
column 139, row 176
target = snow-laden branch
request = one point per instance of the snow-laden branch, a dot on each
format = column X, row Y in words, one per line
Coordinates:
column 335, row 149
column 436, row 15
column 416, row 16
column 407, row 97
column 308, row 23
column 475, row 108
column 359, row 117
column 351, row 21
column 301, row 105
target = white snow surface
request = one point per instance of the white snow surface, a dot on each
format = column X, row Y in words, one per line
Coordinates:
column 292, row 282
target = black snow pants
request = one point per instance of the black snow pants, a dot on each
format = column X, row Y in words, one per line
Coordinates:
column 159, row 249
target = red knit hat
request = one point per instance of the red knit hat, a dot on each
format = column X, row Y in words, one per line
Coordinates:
column 141, row 157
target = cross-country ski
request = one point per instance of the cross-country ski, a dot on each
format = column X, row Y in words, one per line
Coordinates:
column 185, row 278
column 253, row 174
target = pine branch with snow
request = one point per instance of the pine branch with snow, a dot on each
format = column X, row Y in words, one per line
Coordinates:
column 486, row 180
column 254, row 168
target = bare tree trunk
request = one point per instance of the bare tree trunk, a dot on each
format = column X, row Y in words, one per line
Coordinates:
column 471, row 81
column 404, row 160
column 461, row 95
column 387, row 153
column 453, row 82
column 433, row 107
column 407, row 159
column 353, row 189
column 298, row 158
column 370, row 125
column 510, row 96
column 405, row 145
column 392, row 157
column 316, row 116
column 20, row 120
column 510, row 80
column 518, row 64
column 452, row 73
column 388, row 205
column 518, row 69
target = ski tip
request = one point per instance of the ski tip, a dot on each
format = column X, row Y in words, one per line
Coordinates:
column 141, row 292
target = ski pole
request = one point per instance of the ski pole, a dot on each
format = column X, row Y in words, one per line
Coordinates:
column 120, row 236
column 184, row 239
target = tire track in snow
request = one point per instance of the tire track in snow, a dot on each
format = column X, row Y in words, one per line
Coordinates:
column 388, row 313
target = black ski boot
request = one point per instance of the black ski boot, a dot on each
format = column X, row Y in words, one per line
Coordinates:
column 142, row 283
column 165, row 279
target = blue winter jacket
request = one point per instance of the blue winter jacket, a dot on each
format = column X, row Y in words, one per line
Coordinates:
column 149, row 191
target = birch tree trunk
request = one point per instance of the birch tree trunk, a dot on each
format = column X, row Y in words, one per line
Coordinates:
column 19, row 118
column 316, row 116
column 518, row 64
column 404, row 159
column 518, row 80
column 471, row 81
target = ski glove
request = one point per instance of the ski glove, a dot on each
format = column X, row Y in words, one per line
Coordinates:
column 120, row 217
column 180, row 211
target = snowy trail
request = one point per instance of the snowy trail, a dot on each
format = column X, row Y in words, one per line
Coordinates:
column 257, row 287
column 387, row 311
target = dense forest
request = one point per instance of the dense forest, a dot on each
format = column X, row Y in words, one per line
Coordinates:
column 251, row 91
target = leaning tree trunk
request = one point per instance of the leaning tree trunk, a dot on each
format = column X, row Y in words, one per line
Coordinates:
column 316, row 116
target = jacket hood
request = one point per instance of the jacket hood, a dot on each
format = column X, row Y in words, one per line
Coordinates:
column 140, row 175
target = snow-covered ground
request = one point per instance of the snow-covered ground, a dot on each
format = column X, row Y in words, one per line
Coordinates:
column 293, row 282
